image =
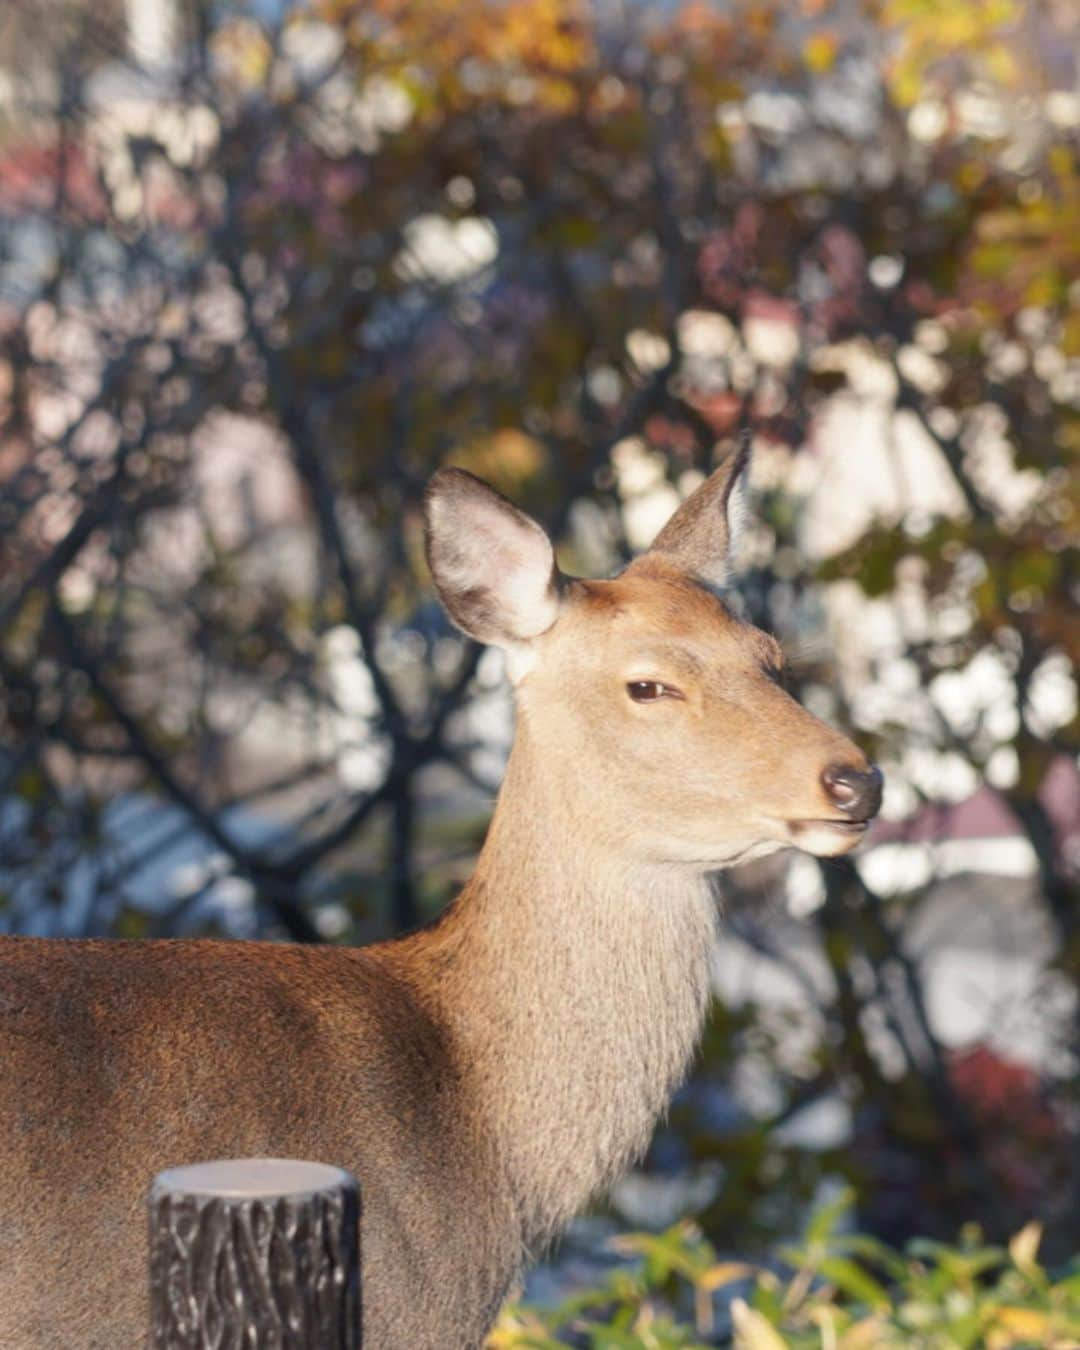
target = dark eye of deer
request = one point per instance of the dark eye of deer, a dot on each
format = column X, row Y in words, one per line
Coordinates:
column 648, row 691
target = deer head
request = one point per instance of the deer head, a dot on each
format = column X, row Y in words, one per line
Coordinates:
column 652, row 710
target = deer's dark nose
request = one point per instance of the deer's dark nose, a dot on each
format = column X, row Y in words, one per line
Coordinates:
column 856, row 792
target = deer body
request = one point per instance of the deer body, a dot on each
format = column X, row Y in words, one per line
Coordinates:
column 199, row 1051
column 484, row 1076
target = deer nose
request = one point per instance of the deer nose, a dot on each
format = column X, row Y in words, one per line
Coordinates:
column 856, row 792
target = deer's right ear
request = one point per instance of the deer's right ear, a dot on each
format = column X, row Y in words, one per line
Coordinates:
column 698, row 537
column 493, row 565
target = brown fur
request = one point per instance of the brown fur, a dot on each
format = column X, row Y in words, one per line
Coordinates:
column 483, row 1077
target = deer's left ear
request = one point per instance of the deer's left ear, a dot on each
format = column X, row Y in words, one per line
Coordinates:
column 700, row 537
column 494, row 567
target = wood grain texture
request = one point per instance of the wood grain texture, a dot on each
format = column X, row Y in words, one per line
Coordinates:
column 254, row 1272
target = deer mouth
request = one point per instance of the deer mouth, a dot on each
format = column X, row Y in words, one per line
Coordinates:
column 826, row 837
column 844, row 826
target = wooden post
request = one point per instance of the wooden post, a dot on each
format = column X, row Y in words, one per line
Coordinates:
column 254, row 1254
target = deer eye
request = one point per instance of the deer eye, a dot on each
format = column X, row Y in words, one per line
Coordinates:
column 648, row 691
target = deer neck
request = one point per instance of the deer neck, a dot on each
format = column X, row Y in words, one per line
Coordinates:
column 575, row 985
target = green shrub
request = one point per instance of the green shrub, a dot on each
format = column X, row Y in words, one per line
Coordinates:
column 836, row 1290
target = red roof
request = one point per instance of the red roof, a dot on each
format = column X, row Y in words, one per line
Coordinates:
column 30, row 175
column 987, row 814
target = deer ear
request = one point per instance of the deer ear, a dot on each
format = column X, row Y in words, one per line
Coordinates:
column 700, row 536
column 494, row 567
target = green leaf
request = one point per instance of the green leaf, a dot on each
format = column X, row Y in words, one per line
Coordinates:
column 825, row 1219
column 870, row 1249
column 678, row 1251
column 853, row 1281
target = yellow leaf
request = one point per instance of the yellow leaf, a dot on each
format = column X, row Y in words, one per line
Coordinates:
column 1024, row 1247
column 1061, row 162
column 1025, row 1324
column 819, row 52
column 752, row 1331
column 724, row 1272
column 515, row 1328
column 506, row 457
column 1001, row 63
column 241, row 49
column 907, row 83
column 1070, row 338
column 864, row 1335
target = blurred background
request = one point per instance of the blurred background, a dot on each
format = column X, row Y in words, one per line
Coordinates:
column 265, row 266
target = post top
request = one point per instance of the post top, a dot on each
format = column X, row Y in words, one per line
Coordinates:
column 252, row 1178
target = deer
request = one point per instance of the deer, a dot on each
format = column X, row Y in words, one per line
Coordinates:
column 488, row 1074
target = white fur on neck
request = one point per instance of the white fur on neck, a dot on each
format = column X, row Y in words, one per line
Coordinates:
column 597, row 980
column 520, row 658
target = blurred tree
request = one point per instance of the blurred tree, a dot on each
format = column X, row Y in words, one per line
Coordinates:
column 249, row 300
